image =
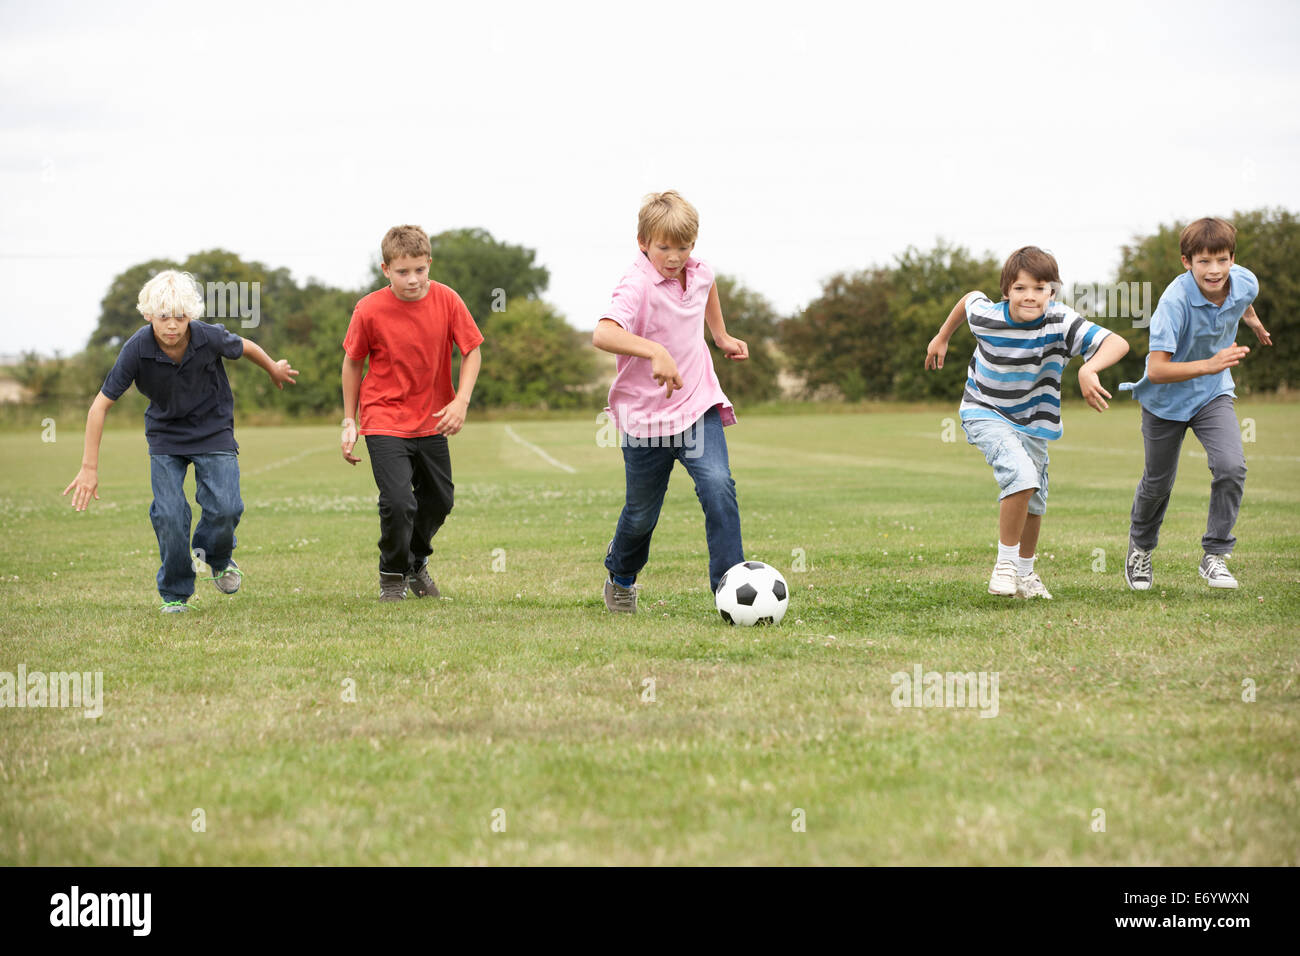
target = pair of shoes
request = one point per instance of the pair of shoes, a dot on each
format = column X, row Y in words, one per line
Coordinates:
column 1031, row 586
column 1216, row 572
column 392, row 587
column 229, row 580
column 421, row 584
column 175, row 607
column 1137, row 568
column 1005, row 579
column 618, row 599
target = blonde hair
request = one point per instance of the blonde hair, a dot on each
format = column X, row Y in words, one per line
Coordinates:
column 171, row 293
column 667, row 216
column 405, row 241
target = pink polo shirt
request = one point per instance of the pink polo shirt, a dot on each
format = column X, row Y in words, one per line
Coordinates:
column 658, row 309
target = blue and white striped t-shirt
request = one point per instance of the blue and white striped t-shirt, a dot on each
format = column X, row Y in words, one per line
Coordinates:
column 1015, row 373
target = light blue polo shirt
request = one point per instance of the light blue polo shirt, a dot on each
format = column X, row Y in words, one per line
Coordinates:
column 1190, row 328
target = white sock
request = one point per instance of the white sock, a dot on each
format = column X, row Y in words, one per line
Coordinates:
column 1008, row 552
column 1026, row 565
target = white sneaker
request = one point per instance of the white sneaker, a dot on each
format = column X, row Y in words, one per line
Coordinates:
column 1216, row 572
column 1004, row 578
column 1031, row 586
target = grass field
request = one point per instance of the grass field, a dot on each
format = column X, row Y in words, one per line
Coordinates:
column 510, row 721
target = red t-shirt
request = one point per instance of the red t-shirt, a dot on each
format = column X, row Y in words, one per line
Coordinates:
column 409, row 345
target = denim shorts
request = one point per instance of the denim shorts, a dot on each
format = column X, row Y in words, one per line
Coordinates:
column 1019, row 461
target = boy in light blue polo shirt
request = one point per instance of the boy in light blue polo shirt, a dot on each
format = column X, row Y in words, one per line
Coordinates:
column 1188, row 383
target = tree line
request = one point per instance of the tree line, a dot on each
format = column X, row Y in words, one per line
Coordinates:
column 864, row 337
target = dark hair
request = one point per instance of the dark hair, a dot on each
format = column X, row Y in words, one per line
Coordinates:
column 1208, row 235
column 1040, row 265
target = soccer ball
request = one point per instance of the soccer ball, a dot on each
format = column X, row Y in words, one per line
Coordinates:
column 752, row 593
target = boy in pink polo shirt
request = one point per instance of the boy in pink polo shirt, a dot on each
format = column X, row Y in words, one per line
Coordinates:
column 665, row 400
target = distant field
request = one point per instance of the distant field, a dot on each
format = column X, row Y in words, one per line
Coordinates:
column 511, row 722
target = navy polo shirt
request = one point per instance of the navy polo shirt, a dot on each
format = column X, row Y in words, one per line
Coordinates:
column 191, row 410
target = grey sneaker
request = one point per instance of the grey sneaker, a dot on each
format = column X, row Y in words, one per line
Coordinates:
column 421, row 584
column 175, row 607
column 392, row 587
column 1216, row 573
column 1004, row 579
column 618, row 599
column 1137, row 568
column 1031, row 586
column 229, row 580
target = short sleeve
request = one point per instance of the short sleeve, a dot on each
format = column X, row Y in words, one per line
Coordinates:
column 626, row 302
column 229, row 344
column 464, row 330
column 978, row 305
column 1245, row 287
column 124, row 371
column 1082, row 336
column 356, row 344
column 1168, row 322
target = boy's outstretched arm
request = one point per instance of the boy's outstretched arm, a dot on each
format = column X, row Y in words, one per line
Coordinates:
column 938, row 346
column 280, row 372
column 734, row 348
column 612, row 337
column 454, row 412
column 1162, row 371
column 87, row 481
column 1111, row 350
column 1252, row 322
column 353, row 370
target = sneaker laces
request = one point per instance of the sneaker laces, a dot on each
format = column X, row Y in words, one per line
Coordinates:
column 1140, row 561
column 167, row 604
column 624, row 598
column 1215, row 566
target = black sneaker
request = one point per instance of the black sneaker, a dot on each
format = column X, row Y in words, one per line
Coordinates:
column 1137, row 568
column 1216, row 573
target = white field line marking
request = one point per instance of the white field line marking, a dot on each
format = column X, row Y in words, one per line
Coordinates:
column 545, row 457
column 287, row 461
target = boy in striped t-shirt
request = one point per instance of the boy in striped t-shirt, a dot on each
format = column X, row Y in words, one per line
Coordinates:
column 1011, row 407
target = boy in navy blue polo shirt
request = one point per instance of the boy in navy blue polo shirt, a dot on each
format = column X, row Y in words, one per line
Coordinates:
column 175, row 362
column 1188, row 384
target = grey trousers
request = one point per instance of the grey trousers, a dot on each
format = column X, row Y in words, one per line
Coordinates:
column 1215, row 426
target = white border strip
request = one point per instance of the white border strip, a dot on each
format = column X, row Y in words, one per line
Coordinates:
column 545, row 457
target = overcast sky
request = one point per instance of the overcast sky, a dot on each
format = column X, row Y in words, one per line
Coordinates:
column 813, row 137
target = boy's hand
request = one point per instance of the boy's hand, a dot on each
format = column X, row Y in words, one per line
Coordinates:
column 87, row 486
column 1093, row 393
column 734, row 348
column 664, row 370
column 282, row 375
column 348, row 441
column 1228, row 358
column 1252, row 322
column 453, row 416
column 935, row 352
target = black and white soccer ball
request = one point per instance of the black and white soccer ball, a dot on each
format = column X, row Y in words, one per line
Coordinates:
column 752, row 593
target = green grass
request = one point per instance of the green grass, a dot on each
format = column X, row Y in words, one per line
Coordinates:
column 517, row 692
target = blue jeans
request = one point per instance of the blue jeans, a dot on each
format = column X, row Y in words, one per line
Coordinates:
column 648, row 464
column 216, row 479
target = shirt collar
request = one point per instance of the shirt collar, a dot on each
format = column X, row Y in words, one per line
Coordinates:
column 198, row 337
column 645, row 265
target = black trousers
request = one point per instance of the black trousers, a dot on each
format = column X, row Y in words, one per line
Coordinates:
column 415, row 496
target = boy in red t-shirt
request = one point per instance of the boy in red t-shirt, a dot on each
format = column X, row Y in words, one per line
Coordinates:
column 408, row 407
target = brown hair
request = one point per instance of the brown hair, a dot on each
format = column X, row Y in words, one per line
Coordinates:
column 1041, row 266
column 1208, row 235
column 667, row 216
column 405, row 241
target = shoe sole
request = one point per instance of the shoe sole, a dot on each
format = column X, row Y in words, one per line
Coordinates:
column 1216, row 584
column 1011, row 593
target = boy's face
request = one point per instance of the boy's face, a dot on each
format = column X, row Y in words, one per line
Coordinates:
column 1210, row 270
column 668, row 256
column 169, row 330
column 409, row 276
column 1028, row 297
